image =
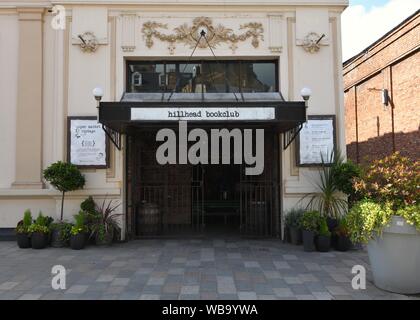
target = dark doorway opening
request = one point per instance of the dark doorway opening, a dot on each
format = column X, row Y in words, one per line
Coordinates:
column 222, row 199
column 199, row 200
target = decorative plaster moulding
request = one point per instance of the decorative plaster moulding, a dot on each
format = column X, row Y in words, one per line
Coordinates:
column 190, row 34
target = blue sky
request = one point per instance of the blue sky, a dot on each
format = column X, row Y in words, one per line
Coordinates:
column 365, row 21
column 368, row 3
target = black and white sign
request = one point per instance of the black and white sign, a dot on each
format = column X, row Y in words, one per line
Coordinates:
column 207, row 114
column 88, row 145
column 316, row 140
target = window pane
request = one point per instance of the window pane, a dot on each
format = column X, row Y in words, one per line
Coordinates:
column 258, row 77
column 146, row 77
column 170, row 72
column 232, row 76
column 189, row 76
column 214, row 76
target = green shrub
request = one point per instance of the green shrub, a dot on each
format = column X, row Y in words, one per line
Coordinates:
column 79, row 223
column 310, row 220
column 344, row 174
column 323, row 227
column 88, row 205
column 24, row 224
column 411, row 214
column 342, row 228
column 293, row 218
column 394, row 179
column 64, row 229
column 64, row 177
column 42, row 220
column 38, row 228
column 366, row 219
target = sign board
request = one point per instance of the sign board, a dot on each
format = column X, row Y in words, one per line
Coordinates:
column 197, row 114
column 88, row 145
column 316, row 141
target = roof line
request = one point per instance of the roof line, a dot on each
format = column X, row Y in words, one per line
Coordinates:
column 348, row 61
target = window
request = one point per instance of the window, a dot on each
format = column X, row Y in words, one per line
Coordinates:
column 202, row 76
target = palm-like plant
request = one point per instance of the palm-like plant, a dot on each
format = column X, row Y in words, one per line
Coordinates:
column 107, row 220
column 327, row 200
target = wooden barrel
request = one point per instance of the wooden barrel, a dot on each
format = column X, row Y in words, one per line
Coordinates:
column 148, row 222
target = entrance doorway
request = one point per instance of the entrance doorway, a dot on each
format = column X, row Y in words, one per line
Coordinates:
column 184, row 199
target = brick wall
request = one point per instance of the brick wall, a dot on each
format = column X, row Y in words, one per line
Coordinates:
column 373, row 130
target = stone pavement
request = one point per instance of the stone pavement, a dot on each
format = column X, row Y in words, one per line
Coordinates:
column 185, row 269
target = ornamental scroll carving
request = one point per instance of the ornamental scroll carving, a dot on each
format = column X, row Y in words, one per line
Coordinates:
column 215, row 34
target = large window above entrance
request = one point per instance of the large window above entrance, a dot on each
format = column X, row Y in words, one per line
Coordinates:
column 202, row 76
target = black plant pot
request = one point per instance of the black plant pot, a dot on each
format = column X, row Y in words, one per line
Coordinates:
column 78, row 241
column 23, row 240
column 287, row 234
column 343, row 243
column 56, row 239
column 308, row 240
column 323, row 243
column 332, row 224
column 296, row 236
column 39, row 240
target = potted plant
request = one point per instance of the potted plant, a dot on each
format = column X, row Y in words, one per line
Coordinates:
column 309, row 223
column 106, row 223
column 22, row 232
column 323, row 239
column 39, row 231
column 60, row 233
column 293, row 219
column 64, row 177
column 328, row 200
column 388, row 221
column 78, row 232
column 88, row 206
column 341, row 234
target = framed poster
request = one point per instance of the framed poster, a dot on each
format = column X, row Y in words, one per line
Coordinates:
column 316, row 141
column 87, row 143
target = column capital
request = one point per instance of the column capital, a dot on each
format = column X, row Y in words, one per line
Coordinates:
column 30, row 13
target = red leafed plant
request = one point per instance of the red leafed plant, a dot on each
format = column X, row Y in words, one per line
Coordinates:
column 394, row 179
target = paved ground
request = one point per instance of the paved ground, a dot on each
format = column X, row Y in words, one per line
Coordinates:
column 185, row 269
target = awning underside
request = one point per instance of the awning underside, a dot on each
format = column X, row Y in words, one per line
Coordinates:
column 118, row 117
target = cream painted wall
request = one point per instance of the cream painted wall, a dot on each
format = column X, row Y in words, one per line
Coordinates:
column 70, row 75
column 9, row 39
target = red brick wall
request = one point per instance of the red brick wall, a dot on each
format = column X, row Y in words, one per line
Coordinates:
column 372, row 130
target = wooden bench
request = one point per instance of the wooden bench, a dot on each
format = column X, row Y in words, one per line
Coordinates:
column 223, row 208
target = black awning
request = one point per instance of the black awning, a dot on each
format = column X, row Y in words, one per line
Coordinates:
column 154, row 110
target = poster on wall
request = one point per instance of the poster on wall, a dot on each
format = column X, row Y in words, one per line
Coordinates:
column 316, row 141
column 87, row 143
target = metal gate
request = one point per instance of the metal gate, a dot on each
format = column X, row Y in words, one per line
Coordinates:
column 178, row 193
column 259, row 195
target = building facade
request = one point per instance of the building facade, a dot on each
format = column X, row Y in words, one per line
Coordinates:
column 382, row 98
column 197, row 59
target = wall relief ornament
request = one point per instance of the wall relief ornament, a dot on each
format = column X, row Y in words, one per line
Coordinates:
column 88, row 42
column 190, row 34
column 312, row 42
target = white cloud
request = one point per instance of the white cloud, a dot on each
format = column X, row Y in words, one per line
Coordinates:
column 362, row 27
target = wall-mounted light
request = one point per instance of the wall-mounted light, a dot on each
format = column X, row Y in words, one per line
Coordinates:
column 98, row 93
column 385, row 97
column 306, row 95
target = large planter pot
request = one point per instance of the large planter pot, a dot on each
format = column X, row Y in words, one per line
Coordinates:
column 395, row 258
column 56, row 239
column 23, row 240
column 308, row 238
column 295, row 236
column 323, row 243
column 342, row 243
column 39, row 240
column 78, row 241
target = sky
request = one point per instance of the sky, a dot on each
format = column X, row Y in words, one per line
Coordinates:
column 365, row 21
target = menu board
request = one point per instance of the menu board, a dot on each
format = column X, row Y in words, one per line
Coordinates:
column 87, row 145
column 316, row 141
